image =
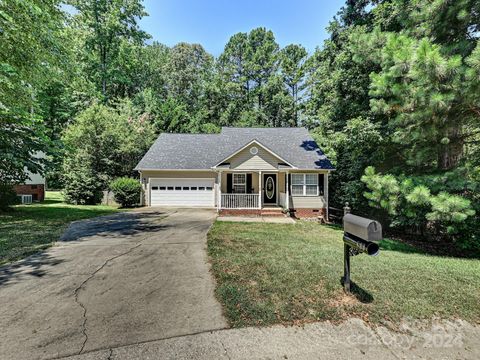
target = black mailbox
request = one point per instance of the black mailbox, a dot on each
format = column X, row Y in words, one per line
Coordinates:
column 361, row 235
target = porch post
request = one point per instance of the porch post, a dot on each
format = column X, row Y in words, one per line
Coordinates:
column 259, row 189
column 287, row 197
column 219, row 191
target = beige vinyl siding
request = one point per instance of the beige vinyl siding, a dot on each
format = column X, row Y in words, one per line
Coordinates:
column 308, row 202
column 281, row 182
column 254, row 181
column 263, row 160
column 172, row 174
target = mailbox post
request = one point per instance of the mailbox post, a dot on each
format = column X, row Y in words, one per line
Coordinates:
column 361, row 235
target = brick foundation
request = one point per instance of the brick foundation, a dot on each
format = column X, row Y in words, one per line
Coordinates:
column 297, row 213
column 36, row 190
column 307, row 213
column 240, row 212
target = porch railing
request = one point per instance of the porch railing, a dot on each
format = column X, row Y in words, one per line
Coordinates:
column 239, row 201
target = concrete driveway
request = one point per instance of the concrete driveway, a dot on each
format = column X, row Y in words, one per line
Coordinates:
column 112, row 281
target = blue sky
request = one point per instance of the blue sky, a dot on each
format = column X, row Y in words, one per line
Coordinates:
column 212, row 22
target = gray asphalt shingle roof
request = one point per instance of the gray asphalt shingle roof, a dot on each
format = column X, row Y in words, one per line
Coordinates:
column 203, row 151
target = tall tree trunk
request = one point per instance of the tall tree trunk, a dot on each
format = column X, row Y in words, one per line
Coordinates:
column 295, row 115
column 450, row 154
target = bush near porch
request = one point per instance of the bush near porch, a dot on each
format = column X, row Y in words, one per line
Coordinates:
column 271, row 273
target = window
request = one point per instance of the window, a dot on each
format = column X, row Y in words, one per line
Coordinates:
column 297, row 184
column 154, row 187
column 170, row 188
column 178, row 188
column 186, row 188
column 201, row 188
column 163, row 188
column 209, row 188
column 193, row 188
column 33, row 187
column 311, row 184
column 305, row 184
column 239, row 183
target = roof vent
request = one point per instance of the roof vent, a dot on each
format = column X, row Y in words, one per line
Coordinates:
column 254, row 150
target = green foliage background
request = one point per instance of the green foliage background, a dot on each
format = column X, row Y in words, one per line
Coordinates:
column 393, row 97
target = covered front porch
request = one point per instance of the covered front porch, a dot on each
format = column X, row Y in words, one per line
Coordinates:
column 252, row 190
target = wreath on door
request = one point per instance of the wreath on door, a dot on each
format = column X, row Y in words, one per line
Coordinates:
column 270, row 188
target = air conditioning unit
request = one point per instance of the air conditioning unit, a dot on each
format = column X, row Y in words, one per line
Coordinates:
column 25, row 199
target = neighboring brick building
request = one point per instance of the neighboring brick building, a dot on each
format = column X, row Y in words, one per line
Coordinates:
column 36, row 190
column 35, row 185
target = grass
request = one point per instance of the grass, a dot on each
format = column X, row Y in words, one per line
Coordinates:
column 271, row 273
column 32, row 228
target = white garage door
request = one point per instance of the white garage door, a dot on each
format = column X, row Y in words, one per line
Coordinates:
column 182, row 192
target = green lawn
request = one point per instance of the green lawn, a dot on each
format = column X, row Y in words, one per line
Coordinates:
column 31, row 228
column 270, row 273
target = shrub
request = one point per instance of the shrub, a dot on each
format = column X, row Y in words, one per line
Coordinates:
column 8, row 197
column 415, row 208
column 82, row 185
column 126, row 191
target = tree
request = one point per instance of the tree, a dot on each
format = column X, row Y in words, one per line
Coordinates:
column 354, row 148
column 395, row 86
column 256, row 83
column 187, row 70
column 83, row 185
column 409, row 202
column 428, row 100
column 110, row 29
column 30, row 52
column 262, row 62
column 293, row 69
column 103, row 143
column 234, row 80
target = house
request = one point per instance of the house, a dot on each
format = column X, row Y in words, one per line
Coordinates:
column 34, row 185
column 238, row 171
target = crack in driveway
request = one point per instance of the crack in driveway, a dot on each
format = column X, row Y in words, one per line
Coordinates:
column 109, row 257
column 92, row 275
column 82, row 285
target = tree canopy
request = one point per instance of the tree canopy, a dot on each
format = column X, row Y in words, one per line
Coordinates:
column 392, row 96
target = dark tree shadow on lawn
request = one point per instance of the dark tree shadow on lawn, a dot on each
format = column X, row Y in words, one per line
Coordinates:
column 128, row 224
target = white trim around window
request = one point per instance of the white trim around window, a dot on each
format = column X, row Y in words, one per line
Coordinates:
column 239, row 183
column 304, row 184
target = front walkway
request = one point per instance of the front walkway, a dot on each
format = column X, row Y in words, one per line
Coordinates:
column 113, row 281
column 266, row 219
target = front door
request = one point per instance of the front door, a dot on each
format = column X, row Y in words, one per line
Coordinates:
column 270, row 189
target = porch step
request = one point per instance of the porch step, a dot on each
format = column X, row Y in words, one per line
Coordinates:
column 272, row 212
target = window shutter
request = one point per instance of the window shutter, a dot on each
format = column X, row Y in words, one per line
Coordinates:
column 249, row 183
column 320, row 184
column 229, row 183
column 289, row 184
